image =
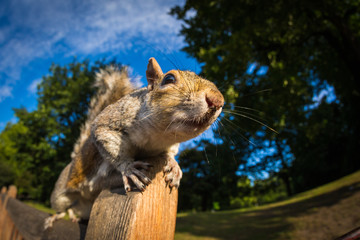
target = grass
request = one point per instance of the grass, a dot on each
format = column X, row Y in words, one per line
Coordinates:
column 40, row 207
column 325, row 212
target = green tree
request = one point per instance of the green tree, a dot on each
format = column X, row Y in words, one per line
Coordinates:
column 307, row 47
column 38, row 146
column 65, row 95
column 31, row 156
column 209, row 177
column 7, row 151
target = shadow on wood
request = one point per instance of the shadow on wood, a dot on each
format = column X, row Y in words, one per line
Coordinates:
column 7, row 227
column 136, row 215
column 20, row 221
column 115, row 215
column 352, row 235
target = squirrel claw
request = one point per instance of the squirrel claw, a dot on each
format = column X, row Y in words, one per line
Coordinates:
column 131, row 171
column 173, row 173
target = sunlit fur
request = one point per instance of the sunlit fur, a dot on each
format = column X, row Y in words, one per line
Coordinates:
column 112, row 84
column 184, row 105
column 143, row 123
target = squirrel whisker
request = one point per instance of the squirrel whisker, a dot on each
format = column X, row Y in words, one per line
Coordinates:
column 184, row 93
column 235, row 129
column 245, row 113
column 186, row 82
column 247, row 108
column 242, row 115
column 124, row 123
column 169, row 125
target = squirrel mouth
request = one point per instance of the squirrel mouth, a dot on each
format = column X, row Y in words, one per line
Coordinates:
column 200, row 122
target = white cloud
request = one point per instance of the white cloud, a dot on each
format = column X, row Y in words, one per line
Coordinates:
column 32, row 88
column 43, row 29
column 136, row 79
column 5, row 91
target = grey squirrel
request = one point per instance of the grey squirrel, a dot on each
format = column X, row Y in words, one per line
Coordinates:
column 125, row 124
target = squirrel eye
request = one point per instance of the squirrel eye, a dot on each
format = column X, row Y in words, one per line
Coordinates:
column 168, row 79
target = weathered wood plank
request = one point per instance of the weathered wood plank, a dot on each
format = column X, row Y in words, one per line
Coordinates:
column 135, row 215
column 6, row 225
column 30, row 223
column 352, row 235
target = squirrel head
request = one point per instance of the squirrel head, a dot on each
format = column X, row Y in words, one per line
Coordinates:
column 182, row 103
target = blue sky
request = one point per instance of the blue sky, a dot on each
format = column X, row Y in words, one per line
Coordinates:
column 34, row 34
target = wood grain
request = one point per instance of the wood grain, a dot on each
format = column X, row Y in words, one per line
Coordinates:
column 24, row 222
column 136, row 215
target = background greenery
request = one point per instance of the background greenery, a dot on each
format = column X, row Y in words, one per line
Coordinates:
column 289, row 65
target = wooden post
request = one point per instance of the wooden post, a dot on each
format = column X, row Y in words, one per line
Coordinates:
column 7, row 226
column 135, row 215
column 20, row 221
column 352, row 235
column 3, row 213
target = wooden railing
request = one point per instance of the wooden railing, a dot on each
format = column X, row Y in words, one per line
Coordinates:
column 20, row 221
column 115, row 215
column 7, row 227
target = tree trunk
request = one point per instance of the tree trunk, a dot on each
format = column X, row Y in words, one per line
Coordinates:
column 284, row 173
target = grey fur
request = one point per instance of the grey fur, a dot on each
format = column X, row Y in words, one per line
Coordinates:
column 124, row 125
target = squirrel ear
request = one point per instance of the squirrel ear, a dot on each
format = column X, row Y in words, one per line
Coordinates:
column 153, row 73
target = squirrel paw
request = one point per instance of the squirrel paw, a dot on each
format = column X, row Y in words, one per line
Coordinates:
column 49, row 221
column 173, row 173
column 130, row 170
column 72, row 216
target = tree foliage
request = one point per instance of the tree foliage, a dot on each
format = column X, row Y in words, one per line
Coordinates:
column 307, row 48
column 275, row 62
column 211, row 181
column 207, row 178
column 38, row 146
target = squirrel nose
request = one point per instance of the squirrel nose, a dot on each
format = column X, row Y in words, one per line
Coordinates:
column 214, row 100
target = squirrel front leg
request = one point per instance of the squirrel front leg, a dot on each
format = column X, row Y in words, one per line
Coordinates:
column 172, row 169
column 118, row 151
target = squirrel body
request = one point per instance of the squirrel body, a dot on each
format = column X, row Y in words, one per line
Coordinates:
column 125, row 125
